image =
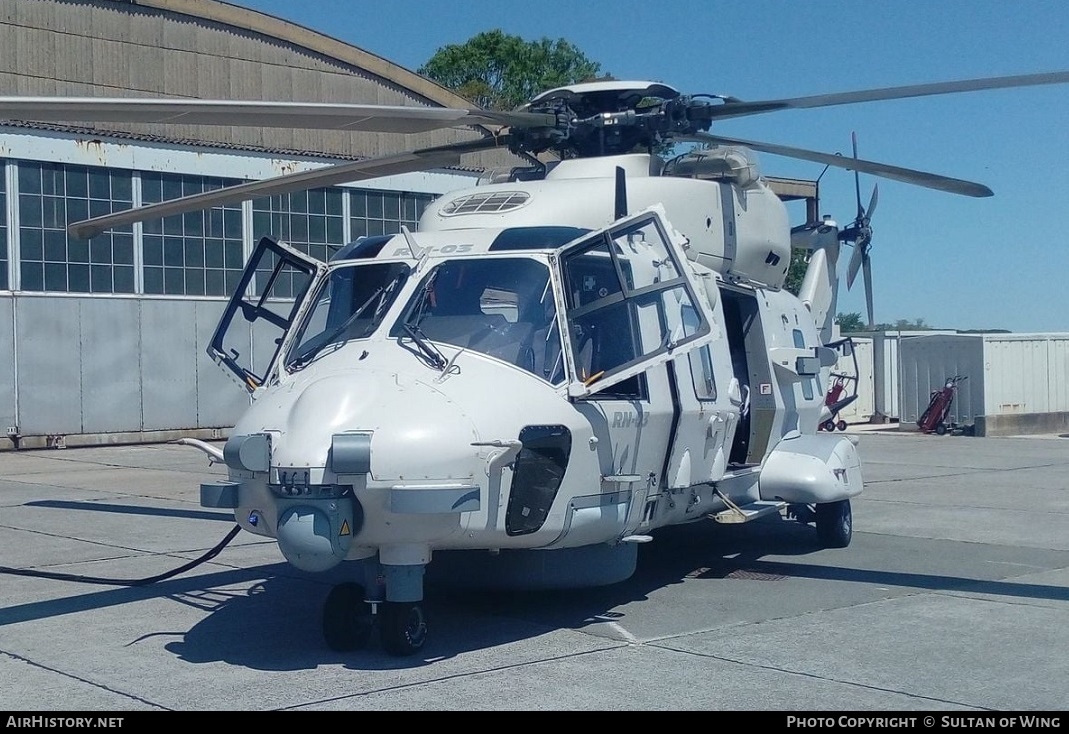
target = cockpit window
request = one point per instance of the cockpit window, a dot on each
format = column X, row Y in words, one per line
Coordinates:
column 502, row 307
column 350, row 304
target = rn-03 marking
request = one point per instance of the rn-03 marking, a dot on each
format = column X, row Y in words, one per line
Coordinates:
column 435, row 250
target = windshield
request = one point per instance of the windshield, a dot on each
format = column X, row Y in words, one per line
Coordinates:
column 501, row 306
column 350, row 304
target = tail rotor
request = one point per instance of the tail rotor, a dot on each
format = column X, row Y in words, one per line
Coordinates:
column 859, row 234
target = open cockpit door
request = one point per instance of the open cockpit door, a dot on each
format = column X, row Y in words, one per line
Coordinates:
column 268, row 296
column 629, row 301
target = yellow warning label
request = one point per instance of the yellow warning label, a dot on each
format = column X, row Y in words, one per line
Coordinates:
column 344, row 528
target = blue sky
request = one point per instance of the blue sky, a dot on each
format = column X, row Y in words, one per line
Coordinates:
column 953, row 261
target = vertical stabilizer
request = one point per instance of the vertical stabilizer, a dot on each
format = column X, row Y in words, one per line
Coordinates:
column 820, row 286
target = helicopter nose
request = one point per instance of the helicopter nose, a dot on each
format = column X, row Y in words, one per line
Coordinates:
column 421, row 433
column 416, row 430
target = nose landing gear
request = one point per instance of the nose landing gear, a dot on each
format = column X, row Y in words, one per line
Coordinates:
column 349, row 619
column 402, row 627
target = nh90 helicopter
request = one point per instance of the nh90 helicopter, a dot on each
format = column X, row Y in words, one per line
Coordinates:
column 556, row 364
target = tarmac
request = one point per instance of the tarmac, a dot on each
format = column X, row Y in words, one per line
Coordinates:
column 952, row 597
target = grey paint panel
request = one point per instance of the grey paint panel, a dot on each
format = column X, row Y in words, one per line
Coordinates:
column 7, row 365
column 110, row 365
column 50, row 381
column 169, row 364
column 142, row 364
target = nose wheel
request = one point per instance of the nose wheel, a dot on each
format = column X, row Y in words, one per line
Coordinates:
column 349, row 620
column 402, row 627
column 835, row 524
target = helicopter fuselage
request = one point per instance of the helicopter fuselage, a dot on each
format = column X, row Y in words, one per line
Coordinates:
column 596, row 380
column 556, row 365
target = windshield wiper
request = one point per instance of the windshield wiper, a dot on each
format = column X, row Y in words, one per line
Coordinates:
column 382, row 292
column 428, row 350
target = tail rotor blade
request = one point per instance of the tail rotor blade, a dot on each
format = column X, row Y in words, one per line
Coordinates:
column 855, row 264
column 857, row 178
column 872, row 202
column 867, row 270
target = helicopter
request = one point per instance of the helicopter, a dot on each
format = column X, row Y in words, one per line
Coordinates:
column 557, row 363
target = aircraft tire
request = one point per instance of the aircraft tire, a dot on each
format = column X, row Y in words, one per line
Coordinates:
column 347, row 618
column 835, row 524
column 403, row 627
column 841, row 425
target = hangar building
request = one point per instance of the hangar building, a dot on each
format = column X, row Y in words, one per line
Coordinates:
column 103, row 341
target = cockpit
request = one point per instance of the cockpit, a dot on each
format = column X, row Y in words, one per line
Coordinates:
column 499, row 306
column 586, row 309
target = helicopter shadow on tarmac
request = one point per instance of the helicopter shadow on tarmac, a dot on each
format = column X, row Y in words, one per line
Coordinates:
column 275, row 624
column 267, row 616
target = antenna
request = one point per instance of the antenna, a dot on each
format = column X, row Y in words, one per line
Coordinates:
column 621, row 194
column 412, row 246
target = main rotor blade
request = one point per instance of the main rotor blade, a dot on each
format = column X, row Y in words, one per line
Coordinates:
column 906, row 175
column 322, row 116
column 738, row 108
column 417, row 160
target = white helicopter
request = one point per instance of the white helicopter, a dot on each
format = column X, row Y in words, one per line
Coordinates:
column 556, row 364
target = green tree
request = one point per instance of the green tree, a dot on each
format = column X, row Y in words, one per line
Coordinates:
column 497, row 71
column 850, row 322
column 796, row 270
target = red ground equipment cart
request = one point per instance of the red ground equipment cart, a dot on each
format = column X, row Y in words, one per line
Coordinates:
column 842, row 391
column 934, row 419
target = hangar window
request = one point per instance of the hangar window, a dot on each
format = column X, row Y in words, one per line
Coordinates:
column 310, row 221
column 193, row 254
column 52, row 195
column 383, row 212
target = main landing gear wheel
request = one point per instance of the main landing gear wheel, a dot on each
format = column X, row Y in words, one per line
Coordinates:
column 835, row 524
column 402, row 626
column 828, row 426
column 841, row 425
column 347, row 618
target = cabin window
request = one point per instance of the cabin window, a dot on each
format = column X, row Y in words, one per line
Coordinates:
column 701, row 361
column 627, row 299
